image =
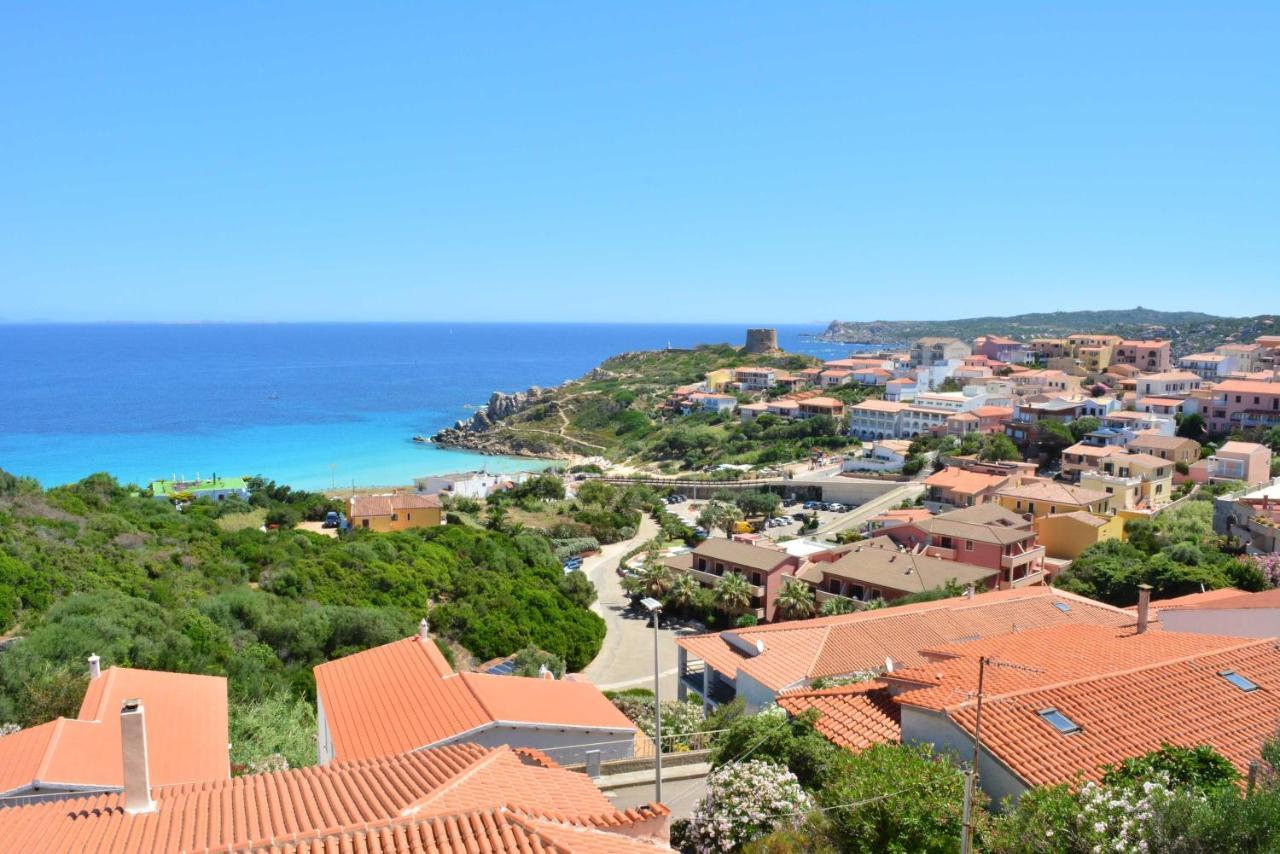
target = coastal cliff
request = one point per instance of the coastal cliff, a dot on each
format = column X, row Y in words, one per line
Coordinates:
column 477, row 432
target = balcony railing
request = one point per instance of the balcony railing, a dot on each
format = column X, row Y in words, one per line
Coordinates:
column 1029, row 556
column 713, row 579
column 1029, row 579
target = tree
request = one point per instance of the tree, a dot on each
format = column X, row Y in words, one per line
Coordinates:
column 578, row 589
column 837, row 605
column 683, row 593
column 1052, row 437
column 732, row 594
column 795, row 600
column 496, row 516
column 1082, row 427
column 997, row 447
column 757, row 503
column 910, row 800
column 275, row 732
column 744, row 802
column 530, row 661
column 775, row 736
column 718, row 514
column 655, row 578
column 1192, row 426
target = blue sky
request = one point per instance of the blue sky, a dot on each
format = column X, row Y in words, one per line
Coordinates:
column 656, row 161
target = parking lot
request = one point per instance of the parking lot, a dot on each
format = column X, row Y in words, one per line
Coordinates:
column 688, row 512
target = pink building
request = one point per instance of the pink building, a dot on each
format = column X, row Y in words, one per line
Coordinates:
column 999, row 348
column 985, row 535
column 1247, row 462
column 1243, row 403
column 1145, row 355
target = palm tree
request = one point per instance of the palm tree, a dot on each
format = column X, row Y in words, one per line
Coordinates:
column 718, row 514
column 496, row 517
column 837, row 605
column 795, row 600
column 683, row 592
column 655, row 578
column 733, row 594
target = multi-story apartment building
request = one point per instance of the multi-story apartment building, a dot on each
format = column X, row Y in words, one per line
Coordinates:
column 937, row 351
column 1236, row 404
column 1155, row 355
column 876, row 419
column 1168, row 384
column 755, row 379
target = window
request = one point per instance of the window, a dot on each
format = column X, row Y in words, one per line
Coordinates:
column 1239, row 681
column 968, row 545
column 702, row 564
column 1059, row 721
column 719, row 568
column 1062, row 606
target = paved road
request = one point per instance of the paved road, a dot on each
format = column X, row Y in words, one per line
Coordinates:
column 909, row 490
column 626, row 657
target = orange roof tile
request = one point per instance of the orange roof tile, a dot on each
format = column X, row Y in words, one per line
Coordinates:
column 851, row 716
column 1193, row 598
column 1262, row 599
column 186, row 718
column 431, row 790
column 385, row 505
column 964, row 481
column 849, row 643
column 403, row 696
column 1127, row 713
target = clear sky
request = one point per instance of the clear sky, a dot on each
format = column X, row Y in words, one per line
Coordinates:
column 640, row 161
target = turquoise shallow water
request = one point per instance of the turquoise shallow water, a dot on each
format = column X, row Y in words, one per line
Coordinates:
column 287, row 400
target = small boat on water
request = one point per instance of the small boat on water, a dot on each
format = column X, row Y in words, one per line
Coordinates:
column 273, row 396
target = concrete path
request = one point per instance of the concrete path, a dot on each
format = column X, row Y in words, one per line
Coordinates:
column 626, row 657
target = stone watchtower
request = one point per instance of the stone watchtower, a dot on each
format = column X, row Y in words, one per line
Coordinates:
column 762, row 340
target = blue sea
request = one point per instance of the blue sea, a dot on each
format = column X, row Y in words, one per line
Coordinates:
column 311, row 405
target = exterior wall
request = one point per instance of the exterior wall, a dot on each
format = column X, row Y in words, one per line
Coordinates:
column 1235, row 622
column 943, row 736
column 1046, row 508
column 418, row 517
column 754, row 695
column 324, row 740
column 1066, row 538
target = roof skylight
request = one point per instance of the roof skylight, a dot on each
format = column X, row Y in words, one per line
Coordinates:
column 1062, row 606
column 1059, row 721
column 1239, row 681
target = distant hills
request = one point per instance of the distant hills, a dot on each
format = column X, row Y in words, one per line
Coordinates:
column 1191, row 331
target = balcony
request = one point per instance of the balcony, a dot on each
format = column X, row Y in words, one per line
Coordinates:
column 711, row 579
column 1029, row 556
column 1029, row 579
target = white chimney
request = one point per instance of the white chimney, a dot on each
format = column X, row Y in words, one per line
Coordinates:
column 137, row 772
column 1144, row 606
column 95, row 666
column 424, row 630
column 968, row 592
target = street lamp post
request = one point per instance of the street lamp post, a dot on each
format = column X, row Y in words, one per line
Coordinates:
column 654, row 607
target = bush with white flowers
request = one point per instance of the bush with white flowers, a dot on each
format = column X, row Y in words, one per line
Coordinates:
column 745, row 801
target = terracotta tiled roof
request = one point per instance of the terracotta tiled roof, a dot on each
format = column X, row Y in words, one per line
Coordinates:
column 385, row 505
column 879, row 405
column 1247, row 387
column 849, row 643
column 186, row 718
column 1053, row 492
column 1040, row 657
column 426, row 793
column 877, row 564
column 742, row 554
column 1263, row 599
column 963, row 481
column 852, row 716
column 1194, row 598
column 1127, row 713
column 403, row 696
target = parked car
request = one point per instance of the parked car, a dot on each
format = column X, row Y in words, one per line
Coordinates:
column 330, row 519
column 799, row 517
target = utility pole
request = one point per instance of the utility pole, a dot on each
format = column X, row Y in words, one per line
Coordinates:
column 655, row 610
column 971, row 779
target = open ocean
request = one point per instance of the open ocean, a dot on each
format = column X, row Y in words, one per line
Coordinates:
column 305, row 404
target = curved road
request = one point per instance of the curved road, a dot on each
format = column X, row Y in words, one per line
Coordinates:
column 626, row 657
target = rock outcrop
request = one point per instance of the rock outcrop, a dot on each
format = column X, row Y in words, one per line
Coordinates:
column 473, row 433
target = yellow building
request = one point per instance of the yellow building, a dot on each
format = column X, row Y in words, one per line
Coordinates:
column 1066, row 535
column 1047, row 498
column 718, row 379
column 394, row 512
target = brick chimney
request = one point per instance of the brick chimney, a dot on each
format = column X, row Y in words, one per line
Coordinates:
column 1144, row 606
column 133, row 745
column 95, row 666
